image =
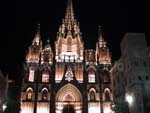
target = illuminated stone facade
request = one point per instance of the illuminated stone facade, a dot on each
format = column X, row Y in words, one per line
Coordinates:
column 69, row 77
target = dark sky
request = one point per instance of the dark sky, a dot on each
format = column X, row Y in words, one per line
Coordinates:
column 18, row 24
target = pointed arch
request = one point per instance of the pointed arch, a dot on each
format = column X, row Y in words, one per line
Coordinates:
column 107, row 94
column 44, row 94
column 68, row 95
column 29, row 93
column 92, row 92
column 67, row 92
column 106, row 76
column 69, row 43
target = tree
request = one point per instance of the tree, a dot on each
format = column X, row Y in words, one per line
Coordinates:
column 146, row 104
column 121, row 107
column 13, row 104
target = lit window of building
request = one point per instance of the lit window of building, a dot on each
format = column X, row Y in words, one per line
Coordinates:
column 91, row 77
column 107, row 94
column 45, row 77
column 31, row 76
column 106, row 76
column 44, row 94
column 29, row 93
column 92, row 96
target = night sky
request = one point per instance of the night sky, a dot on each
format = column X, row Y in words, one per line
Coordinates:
column 18, row 25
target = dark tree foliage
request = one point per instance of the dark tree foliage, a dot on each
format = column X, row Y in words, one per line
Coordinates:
column 121, row 107
column 146, row 104
column 13, row 104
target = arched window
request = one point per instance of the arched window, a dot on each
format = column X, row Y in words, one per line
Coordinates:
column 45, row 76
column 31, row 75
column 29, row 94
column 106, row 76
column 91, row 76
column 44, row 94
column 69, row 43
column 107, row 94
column 92, row 94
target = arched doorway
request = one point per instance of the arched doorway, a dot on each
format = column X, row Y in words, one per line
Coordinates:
column 68, row 109
column 68, row 100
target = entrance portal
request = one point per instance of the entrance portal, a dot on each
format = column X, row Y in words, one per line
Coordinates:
column 68, row 109
column 68, row 100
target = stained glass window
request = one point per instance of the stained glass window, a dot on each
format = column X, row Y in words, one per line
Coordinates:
column 29, row 94
column 44, row 94
column 45, row 77
column 91, row 77
column 31, row 76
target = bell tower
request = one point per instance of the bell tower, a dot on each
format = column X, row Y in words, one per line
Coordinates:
column 36, row 83
column 103, row 59
column 33, row 55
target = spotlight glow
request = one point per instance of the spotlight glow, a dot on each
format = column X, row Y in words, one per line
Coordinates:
column 4, row 107
column 129, row 99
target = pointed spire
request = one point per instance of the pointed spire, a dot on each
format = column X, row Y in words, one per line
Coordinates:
column 37, row 35
column 69, row 17
column 69, row 23
column 100, row 39
column 100, row 33
column 69, row 11
column 38, row 27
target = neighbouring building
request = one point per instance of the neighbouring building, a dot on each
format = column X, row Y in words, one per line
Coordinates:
column 131, row 73
column 68, row 78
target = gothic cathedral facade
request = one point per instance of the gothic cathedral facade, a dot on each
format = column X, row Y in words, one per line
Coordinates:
column 68, row 78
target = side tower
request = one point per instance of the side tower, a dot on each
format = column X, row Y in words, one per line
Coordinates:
column 92, row 82
column 69, row 65
column 36, row 83
column 103, row 59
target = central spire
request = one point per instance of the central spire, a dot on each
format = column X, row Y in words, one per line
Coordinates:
column 69, row 20
column 69, row 12
column 69, row 26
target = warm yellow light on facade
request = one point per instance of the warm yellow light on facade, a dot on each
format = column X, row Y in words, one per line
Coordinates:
column 93, row 109
column 107, row 110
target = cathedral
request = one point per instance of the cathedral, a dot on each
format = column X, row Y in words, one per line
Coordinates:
column 68, row 78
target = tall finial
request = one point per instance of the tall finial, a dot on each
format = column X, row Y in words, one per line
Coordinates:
column 100, row 33
column 48, row 41
column 101, row 40
column 37, row 36
column 38, row 27
column 99, row 28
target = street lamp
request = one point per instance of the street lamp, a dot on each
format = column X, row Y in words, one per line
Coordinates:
column 4, row 107
column 129, row 99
